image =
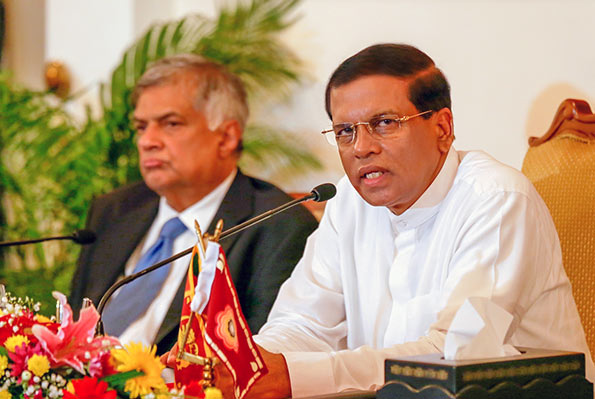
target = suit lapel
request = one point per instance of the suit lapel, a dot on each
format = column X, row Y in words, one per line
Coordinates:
column 232, row 213
column 125, row 235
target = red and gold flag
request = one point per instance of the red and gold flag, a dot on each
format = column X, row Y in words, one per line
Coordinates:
column 221, row 331
column 186, row 372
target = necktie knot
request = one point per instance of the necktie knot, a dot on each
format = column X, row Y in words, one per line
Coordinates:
column 172, row 228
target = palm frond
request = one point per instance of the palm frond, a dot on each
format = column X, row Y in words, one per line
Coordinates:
column 276, row 150
column 244, row 38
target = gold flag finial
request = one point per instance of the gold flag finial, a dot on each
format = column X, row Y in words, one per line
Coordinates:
column 215, row 236
column 199, row 235
column 218, row 230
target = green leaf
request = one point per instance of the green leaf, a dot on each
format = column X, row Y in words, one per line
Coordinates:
column 118, row 381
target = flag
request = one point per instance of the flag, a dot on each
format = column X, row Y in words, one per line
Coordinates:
column 186, row 372
column 221, row 330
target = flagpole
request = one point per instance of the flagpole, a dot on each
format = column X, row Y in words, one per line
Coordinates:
column 182, row 355
column 209, row 361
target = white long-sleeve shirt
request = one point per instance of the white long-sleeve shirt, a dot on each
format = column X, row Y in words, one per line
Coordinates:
column 373, row 285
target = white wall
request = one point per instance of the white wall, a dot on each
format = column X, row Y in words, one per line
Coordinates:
column 510, row 63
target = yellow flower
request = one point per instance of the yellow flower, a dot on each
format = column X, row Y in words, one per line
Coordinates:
column 38, row 365
column 70, row 387
column 42, row 319
column 3, row 363
column 5, row 395
column 135, row 356
column 15, row 341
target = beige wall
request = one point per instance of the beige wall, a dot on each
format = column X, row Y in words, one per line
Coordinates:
column 510, row 63
column 24, row 51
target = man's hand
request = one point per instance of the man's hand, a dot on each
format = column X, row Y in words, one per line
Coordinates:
column 274, row 385
column 169, row 358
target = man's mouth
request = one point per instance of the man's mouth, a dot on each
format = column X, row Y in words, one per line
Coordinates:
column 151, row 163
column 373, row 175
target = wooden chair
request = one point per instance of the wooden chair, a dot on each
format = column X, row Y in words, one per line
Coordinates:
column 561, row 165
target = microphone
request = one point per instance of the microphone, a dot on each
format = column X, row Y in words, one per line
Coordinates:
column 320, row 193
column 323, row 192
column 82, row 237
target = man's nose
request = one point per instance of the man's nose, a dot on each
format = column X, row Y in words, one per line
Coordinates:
column 150, row 137
column 364, row 143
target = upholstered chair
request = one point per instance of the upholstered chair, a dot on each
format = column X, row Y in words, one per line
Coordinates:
column 561, row 165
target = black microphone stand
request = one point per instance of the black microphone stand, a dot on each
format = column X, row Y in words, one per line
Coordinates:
column 33, row 241
column 80, row 237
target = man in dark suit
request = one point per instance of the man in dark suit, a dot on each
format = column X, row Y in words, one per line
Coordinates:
column 189, row 115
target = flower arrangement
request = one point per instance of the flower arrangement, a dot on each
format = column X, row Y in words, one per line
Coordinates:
column 40, row 358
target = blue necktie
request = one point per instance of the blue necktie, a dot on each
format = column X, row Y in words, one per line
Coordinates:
column 134, row 299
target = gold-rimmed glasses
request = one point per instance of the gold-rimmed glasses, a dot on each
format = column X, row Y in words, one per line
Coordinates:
column 379, row 127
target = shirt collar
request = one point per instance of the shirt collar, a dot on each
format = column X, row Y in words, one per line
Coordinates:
column 428, row 204
column 205, row 205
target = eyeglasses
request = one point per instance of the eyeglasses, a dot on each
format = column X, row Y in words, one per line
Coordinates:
column 379, row 127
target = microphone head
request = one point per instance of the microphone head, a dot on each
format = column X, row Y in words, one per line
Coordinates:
column 324, row 192
column 84, row 237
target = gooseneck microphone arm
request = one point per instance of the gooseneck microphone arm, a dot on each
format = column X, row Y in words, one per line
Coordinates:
column 134, row 276
column 248, row 223
column 24, row 242
column 320, row 193
column 80, row 237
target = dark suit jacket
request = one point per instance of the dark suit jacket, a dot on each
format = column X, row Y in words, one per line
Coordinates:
column 260, row 258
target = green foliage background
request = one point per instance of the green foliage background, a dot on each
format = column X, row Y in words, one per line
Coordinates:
column 52, row 165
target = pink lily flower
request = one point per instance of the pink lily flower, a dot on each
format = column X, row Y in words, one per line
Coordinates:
column 74, row 344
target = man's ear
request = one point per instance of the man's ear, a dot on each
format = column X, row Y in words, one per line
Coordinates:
column 444, row 129
column 231, row 138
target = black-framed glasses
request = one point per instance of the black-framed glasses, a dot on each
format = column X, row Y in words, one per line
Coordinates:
column 379, row 127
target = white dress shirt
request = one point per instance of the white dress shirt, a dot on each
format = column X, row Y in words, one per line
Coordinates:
column 146, row 327
column 373, row 285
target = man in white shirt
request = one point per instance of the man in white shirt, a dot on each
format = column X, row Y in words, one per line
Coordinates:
column 416, row 228
column 189, row 115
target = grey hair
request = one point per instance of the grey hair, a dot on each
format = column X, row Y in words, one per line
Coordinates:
column 220, row 95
